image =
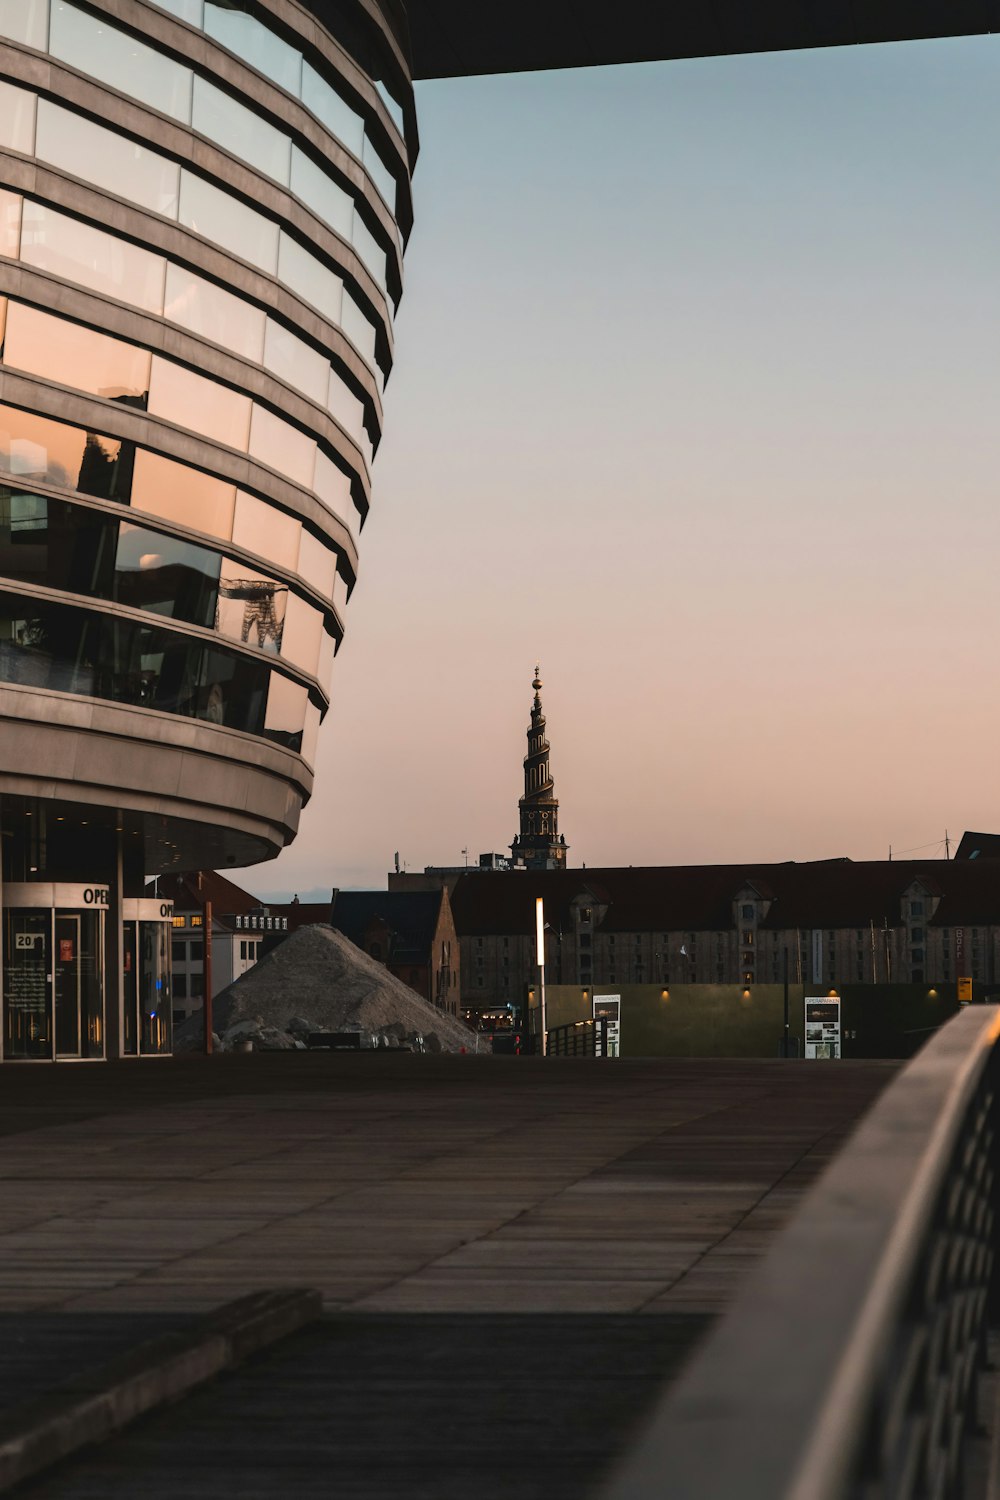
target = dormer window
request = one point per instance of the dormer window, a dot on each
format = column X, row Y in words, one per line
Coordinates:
column 748, row 912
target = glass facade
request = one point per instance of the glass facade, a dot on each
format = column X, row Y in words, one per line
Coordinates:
column 190, row 374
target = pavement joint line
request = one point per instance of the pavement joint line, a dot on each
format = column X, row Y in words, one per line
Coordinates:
column 95, row 1404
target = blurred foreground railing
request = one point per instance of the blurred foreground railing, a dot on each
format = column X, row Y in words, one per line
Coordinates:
column 847, row 1365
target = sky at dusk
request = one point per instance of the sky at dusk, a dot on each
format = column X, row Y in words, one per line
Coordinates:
column 694, row 402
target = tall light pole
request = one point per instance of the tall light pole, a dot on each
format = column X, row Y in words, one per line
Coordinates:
column 540, row 955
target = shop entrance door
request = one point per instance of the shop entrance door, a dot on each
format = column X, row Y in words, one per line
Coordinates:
column 67, row 981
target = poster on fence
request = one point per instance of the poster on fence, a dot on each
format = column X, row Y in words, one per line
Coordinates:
column 610, row 1006
column 823, row 1026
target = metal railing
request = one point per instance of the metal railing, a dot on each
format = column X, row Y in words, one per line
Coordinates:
column 847, row 1365
column 579, row 1039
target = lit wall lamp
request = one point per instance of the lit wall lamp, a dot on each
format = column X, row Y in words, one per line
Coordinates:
column 665, row 992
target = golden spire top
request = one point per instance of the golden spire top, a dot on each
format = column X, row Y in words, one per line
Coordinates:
column 538, row 680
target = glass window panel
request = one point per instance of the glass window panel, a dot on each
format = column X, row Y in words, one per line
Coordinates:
column 226, row 222
column 199, row 404
column 251, row 607
column 296, row 362
column 369, row 249
column 45, row 540
column 333, row 487
column 92, row 258
column 310, row 735
column 89, row 43
column 345, row 408
column 107, row 159
column 232, row 691
column 317, row 563
column 395, row 110
column 300, row 642
column 320, row 193
column 309, row 279
column 281, row 446
column 286, row 711
column 76, row 356
column 359, row 328
column 166, row 575
column 190, row 11
column 207, row 310
column 324, row 669
column 34, row 447
column 379, row 173
column 183, row 495
column 263, row 529
column 25, row 21
column 238, row 130
column 3, row 319
column 328, row 107
column 10, row 223
column 256, row 44
column 17, row 119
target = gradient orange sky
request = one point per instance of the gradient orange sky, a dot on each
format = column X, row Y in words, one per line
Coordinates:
column 695, row 403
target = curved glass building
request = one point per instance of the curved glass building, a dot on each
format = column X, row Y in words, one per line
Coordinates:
column 203, row 208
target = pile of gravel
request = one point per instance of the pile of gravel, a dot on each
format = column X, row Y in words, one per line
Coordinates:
column 316, row 980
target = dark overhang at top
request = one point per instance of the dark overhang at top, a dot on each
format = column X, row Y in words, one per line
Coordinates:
column 456, row 38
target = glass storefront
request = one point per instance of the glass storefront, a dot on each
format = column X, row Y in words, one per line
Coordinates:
column 146, row 1019
column 53, row 972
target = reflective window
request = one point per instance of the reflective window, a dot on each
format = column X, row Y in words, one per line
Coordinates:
column 207, row 310
column 294, row 361
column 219, row 217
column 333, row 487
column 251, row 607
column 331, row 110
column 310, row 735
column 33, row 447
column 183, row 495
column 199, row 404
column 263, row 529
column 275, row 442
column 75, row 650
column 238, row 130
column 57, row 349
column 255, row 44
column 39, row 543
column 317, row 564
column 324, row 669
column 301, row 639
column 286, row 712
column 369, row 249
column 109, row 160
column 309, row 279
column 25, row 21
column 395, row 110
column 191, row 11
column 379, row 173
column 359, row 328
column 166, row 575
column 17, row 119
column 77, row 252
column 346, row 409
column 10, row 223
column 318, row 192
column 87, row 42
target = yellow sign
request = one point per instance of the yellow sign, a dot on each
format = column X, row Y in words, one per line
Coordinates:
column 965, row 992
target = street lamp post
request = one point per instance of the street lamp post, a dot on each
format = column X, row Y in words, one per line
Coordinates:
column 540, row 955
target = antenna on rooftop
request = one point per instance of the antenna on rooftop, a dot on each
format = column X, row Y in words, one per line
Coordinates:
column 947, row 845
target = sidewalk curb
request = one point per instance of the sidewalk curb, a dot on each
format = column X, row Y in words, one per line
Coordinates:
column 97, row 1403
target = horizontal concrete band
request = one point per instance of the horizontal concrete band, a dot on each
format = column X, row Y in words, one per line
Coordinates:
column 125, row 115
column 91, row 414
column 97, row 1403
column 20, row 174
column 56, row 745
